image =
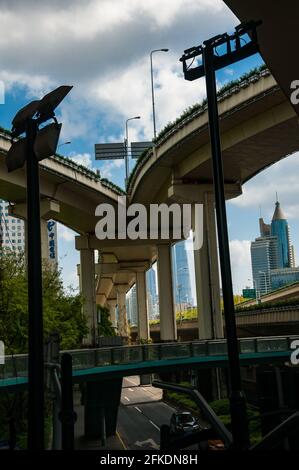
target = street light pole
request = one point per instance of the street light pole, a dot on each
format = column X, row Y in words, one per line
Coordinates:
column 35, row 303
column 127, row 147
column 237, row 397
column 235, row 48
column 37, row 145
column 152, row 84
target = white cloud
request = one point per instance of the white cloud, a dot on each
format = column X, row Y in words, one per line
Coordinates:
column 65, row 234
column 102, row 48
column 241, row 264
column 109, row 167
column 261, row 190
column 172, row 94
column 229, row 71
column 82, row 159
column 71, row 279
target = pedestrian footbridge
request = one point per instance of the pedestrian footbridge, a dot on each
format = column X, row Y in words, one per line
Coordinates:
column 117, row 362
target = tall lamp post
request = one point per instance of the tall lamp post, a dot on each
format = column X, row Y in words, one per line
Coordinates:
column 34, row 147
column 127, row 146
column 216, row 53
column 152, row 83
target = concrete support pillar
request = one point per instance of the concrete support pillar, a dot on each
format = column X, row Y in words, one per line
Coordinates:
column 168, row 330
column 87, row 285
column 123, row 327
column 101, row 401
column 214, row 266
column 143, row 325
column 207, row 277
column 111, row 304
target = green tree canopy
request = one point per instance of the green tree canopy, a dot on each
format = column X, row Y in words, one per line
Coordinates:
column 62, row 310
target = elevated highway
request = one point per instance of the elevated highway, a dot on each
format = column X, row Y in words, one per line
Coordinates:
column 258, row 128
column 284, row 293
column 269, row 321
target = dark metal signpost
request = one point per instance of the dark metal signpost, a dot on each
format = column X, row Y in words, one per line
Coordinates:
column 35, row 146
column 235, row 47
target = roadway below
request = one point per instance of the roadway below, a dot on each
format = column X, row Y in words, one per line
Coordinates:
column 140, row 415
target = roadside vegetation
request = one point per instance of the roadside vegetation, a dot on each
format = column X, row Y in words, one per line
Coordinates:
column 221, row 407
column 62, row 312
column 192, row 313
column 105, row 327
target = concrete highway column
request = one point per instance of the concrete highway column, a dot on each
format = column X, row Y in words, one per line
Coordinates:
column 111, row 303
column 123, row 327
column 168, row 330
column 87, row 284
column 143, row 325
column 207, row 277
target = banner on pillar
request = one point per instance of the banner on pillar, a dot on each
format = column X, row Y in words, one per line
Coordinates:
column 52, row 240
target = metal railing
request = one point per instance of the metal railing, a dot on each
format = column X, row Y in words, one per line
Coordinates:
column 16, row 366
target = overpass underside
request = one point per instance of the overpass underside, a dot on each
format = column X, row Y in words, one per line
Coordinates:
column 258, row 127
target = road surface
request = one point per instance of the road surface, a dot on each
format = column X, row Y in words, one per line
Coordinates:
column 141, row 413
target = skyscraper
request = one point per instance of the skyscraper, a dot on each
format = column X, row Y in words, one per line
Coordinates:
column 131, row 306
column 272, row 255
column 181, row 275
column 263, row 260
column 12, row 233
column 12, row 230
column 152, row 297
column 280, row 229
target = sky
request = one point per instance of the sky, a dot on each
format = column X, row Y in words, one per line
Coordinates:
column 102, row 48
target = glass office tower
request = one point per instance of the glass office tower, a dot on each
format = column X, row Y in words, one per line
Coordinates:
column 272, row 255
column 280, row 229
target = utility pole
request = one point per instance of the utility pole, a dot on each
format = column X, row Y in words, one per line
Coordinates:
column 236, row 47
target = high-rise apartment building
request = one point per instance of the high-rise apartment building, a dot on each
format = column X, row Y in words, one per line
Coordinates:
column 12, row 233
column 12, row 230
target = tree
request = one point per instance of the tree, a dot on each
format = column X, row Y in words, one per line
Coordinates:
column 62, row 311
column 105, row 327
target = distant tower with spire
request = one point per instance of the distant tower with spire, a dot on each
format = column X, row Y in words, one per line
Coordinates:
column 280, row 229
column 272, row 254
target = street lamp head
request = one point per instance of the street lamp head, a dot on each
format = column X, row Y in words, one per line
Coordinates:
column 27, row 112
column 51, row 100
column 43, row 109
column 159, row 50
column 65, row 143
column 130, row 119
column 31, row 117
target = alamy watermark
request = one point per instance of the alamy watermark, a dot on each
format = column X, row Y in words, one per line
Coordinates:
column 295, row 354
column 152, row 222
column 294, row 97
